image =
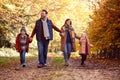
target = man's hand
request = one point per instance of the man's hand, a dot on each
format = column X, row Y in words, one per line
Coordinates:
column 31, row 39
column 62, row 34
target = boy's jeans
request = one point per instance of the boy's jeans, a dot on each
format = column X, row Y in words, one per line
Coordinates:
column 22, row 57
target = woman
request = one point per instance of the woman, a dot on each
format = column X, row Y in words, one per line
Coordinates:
column 85, row 47
column 68, row 40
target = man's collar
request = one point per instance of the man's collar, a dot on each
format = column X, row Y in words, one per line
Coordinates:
column 44, row 19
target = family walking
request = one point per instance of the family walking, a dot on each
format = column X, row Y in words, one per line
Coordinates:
column 44, row 33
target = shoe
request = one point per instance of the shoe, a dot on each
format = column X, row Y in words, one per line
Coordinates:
column 66, row 64
column 45, row 65
column 83, row 65
column 24, row 65
column 40, row 66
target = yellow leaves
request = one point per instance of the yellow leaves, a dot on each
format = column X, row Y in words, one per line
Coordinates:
column 102, row 30
column 10, row 7
column 26, row 12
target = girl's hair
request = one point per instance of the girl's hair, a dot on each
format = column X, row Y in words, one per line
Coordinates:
column 68, row 20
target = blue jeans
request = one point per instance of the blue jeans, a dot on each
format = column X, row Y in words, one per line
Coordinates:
column 22, row 57
column 42, row 51
column 67, row 52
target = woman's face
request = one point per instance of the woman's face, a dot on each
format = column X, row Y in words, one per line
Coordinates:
column 68, row 22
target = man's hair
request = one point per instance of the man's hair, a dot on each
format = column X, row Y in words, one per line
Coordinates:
column 45, row 11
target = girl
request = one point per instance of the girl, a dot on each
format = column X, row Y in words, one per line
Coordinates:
column 85, row 47
column 22, row 45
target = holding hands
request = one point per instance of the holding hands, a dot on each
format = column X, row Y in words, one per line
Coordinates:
column 30, row 39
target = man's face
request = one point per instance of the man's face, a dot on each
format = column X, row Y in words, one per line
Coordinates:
column 43, row 14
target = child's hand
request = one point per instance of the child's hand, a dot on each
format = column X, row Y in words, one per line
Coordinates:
column 91, row 45
column 17, row 50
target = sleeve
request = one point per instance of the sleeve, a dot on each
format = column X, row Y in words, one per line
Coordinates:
column 62, row 31
column 77, row 37
column 34, row 31
column 17, row 43
column 55, row 28
column 29, row 41
column 62, row 28
column 87, row 39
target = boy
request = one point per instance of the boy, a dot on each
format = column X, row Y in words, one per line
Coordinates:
column 22, row 45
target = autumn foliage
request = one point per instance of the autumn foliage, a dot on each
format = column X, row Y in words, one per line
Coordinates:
column 104, row 30
column 102, row 26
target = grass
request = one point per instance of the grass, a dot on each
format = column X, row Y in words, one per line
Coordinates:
column 8, row 59
column 58, row 61
column 6, row 62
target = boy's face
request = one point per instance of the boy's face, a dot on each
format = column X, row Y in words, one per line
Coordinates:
column 22, row 32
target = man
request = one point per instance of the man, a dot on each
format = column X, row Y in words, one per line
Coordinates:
column 43, row 30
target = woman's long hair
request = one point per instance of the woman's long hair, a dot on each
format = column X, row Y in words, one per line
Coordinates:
column 68, row 20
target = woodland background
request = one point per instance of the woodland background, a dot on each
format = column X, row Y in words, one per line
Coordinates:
column 100, row 19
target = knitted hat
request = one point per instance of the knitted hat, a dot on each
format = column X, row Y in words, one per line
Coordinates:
column 23, row 28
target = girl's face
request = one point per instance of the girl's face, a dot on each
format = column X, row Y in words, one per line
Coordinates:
column 84, row 35
column 23, row 32
column 68, row 22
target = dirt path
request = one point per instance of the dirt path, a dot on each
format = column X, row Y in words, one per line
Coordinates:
column 93, row 70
